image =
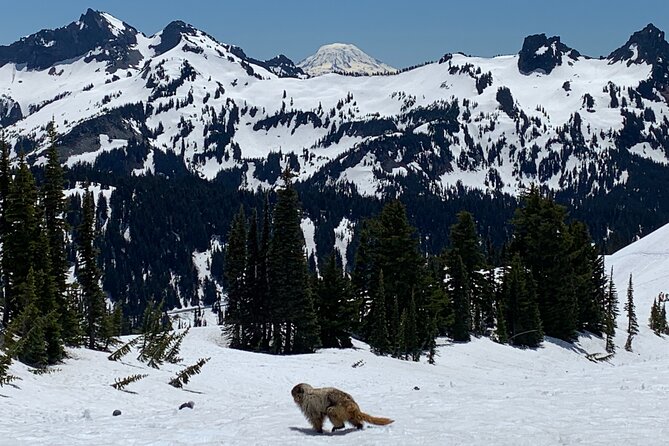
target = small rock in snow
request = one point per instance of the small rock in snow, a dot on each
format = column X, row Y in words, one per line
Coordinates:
column 189, row 404
column 116, row 413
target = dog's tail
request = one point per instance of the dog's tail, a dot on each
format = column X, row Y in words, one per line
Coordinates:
column 381, row 421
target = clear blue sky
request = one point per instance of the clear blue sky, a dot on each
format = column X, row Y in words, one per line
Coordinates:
column 400, row 33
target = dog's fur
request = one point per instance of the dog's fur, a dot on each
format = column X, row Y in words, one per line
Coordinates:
column 338, row 406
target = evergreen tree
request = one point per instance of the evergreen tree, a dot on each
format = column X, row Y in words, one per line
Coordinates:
column 460, row 294
column 541, row 238
column 88, row 274
column 378, row 338
column 466, row 242
column 413, row 345
column 432, row 342
column 5, row 181
column 394, row 335
column 632, row 324
column 589, row 282
column 654, row 322
column 54, row 212
column 335, row 306
column 611, row 315
column 523, row 322
column 25, row 336
column 235, row 268
column 263, row 284
column 389, row 243
column 295, row 323
column 20, row 249
column 252, row 284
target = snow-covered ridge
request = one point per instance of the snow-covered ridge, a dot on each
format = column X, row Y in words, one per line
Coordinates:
column 343, row 58
column 441, row 125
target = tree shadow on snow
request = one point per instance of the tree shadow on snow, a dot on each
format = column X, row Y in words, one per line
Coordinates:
column 313, row 433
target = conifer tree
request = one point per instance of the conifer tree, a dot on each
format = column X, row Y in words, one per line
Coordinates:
column 466, row 242
column 589, row 282
column 335, row 305
column 378, row 338
column 25, row 336
column 460, row 294
column 252, row 284
column 523, row 322
column 632, row 324
column 394, row 330
column 235, row 268
column 20, row 248
column 413, row 345
column 542, row 240
column 432, row 341
column 5, row 377
column 54, row 214
column 263, row 284
column 654, row 322
column 88, row 274
column 611, row 315
column 295, row 323
column 5, row 181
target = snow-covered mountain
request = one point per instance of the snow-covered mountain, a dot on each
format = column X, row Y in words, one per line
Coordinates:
column 561, row 396
column 548, row 115
column 343, row 58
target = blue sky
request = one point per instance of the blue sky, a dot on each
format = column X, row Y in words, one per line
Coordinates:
column 400, row 33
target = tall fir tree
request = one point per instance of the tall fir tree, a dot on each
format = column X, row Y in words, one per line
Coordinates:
column 542, row 240
column 294, row 318
column 379, row 339
column 466, row 242
column 5, row 181
column 235, row 270
column 460, row 293
column 611, row 315
column 54, row 213
column 632, row 324
column 253, row 284
column 589, row 281
column 523, row 322
column 20, row 248
column 88, row 274
column 335, row 306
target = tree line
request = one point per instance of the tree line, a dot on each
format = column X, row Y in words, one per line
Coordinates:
column 43, row 311
column 547, row 280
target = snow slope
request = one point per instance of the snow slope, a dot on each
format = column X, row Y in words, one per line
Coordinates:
column 477, row 393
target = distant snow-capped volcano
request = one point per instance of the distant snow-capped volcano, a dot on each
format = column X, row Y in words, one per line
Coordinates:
column 343, row 58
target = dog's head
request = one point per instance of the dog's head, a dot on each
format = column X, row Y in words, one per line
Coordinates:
column 299, row 391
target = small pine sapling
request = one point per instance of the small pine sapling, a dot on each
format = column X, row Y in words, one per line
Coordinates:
column 120, row 383
column 184, row 376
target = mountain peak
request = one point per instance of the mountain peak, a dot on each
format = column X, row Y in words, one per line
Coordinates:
column 645, row 46
column 543, row 54
column 171, row 35
column 93, row 30
column 343, row 58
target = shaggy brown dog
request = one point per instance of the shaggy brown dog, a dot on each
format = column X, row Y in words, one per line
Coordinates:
column 338, row 406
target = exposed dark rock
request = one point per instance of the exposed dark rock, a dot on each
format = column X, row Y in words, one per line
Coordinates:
column 645, row 46
column 189, row 404
column 171, row 36
column 283, row 67
column 10, row 111
column 93, row 31
column 542, row 54
column 116, row 413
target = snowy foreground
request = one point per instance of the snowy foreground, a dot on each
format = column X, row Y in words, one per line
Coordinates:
column 479, row 393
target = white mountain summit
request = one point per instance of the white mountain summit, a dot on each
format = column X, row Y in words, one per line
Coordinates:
column 343, row 58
